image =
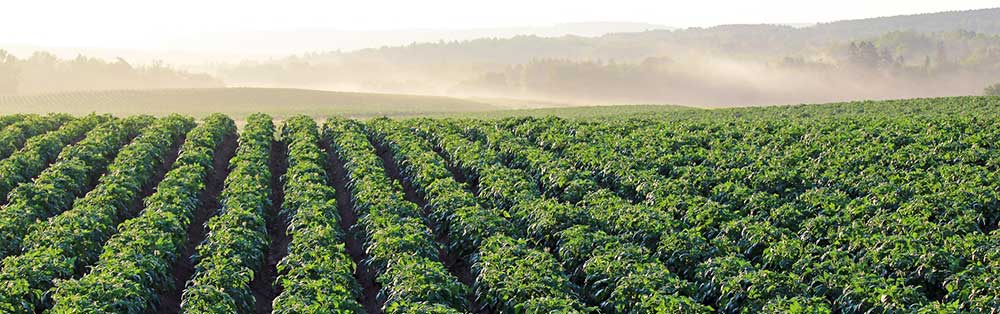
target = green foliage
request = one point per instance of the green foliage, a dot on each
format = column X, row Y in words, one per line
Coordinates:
column 13, row 136
column 64, row 245
column 451, row 203
column 401, row 247
column 317, row 274
column 590, row 239
column 75, row 171
column 237, row 236
column 136, row 261
column 804, row 209
column 511, row 274
column 38, row 152
column 825, row 209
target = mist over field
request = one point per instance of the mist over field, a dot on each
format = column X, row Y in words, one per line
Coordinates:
column 928, row 55
column 945, row 54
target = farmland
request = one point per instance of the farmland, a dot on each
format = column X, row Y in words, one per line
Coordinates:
column 864, row 207
column 239, row 103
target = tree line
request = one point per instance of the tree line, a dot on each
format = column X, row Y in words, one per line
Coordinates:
column 44, row 72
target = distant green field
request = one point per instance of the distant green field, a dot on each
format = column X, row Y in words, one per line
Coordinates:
column 240, row 102
column 583, row 112
column 282, row 103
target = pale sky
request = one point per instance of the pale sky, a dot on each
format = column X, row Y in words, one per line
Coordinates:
column 141, row 24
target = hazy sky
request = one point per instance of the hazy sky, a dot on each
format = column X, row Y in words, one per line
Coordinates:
column 142, row 24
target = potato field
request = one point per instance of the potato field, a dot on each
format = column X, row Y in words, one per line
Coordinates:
column 865, row 207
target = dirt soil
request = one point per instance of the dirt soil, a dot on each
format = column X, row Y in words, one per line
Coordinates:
column 348, row 219
column 264, row 286
column 183, row 266
column 457, row 265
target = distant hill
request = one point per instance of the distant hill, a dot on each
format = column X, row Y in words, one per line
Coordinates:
column 599, row 39
column 981, row 21
column 320, row 40
column 222, row 47
column 757, row 41
column 927, row 55
column 240, row 102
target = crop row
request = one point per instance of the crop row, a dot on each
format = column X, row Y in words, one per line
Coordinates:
column 72, row 175
column 237, row 236
column 400, row 245
column 135, row 262
column 773, row 196
column 600, row 237
column 475, row 232
column 512, row 274
column 13, row 136
column 595, row 240
column 317, row 275
column 452, row 204
column 11, row 119
column 684, row 246
column 41, row 151
column 837, row 209
column 72, row 240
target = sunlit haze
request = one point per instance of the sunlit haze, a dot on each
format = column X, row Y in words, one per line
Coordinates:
column 148, row 24
column 581, row 52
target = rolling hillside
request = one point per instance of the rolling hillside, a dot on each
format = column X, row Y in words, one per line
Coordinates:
column 240, row 102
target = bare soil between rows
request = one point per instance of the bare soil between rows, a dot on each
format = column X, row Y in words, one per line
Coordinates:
column 183, row 265
column 264, row 286
column 457, row 265
column 348, row 219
